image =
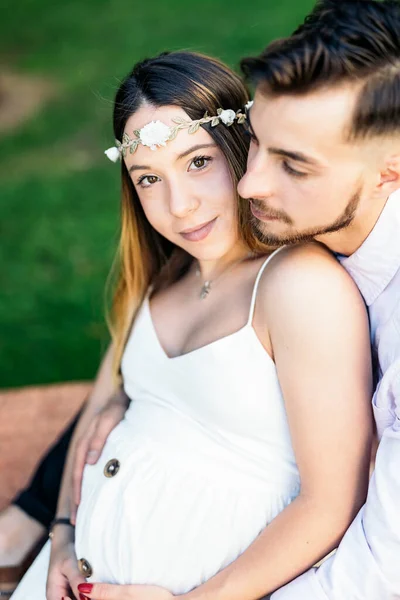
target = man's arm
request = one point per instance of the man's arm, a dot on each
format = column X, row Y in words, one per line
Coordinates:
column 366, row 565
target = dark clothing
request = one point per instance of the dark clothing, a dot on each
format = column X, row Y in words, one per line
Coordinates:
column 39, row 500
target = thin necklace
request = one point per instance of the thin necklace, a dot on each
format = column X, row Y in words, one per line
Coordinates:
column 206, row 287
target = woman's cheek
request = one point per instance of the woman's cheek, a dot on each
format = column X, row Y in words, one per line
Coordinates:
column 219, row 189
column 152, row 215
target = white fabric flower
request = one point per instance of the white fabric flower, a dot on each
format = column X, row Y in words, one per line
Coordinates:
column 227, row 116
column 112, row 153
column 154, row 134
column 249, row 104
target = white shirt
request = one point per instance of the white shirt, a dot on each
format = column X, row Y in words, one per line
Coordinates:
column 366, row 565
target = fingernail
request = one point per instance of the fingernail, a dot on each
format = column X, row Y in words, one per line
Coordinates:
column 82, row 597
column 85, row 588
column 92, row 455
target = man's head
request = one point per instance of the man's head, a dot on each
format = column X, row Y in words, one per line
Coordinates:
column 325, row 125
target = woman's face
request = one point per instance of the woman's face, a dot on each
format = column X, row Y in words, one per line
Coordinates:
column 185, row 187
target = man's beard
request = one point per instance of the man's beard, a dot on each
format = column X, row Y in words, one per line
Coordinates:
column 269, row 239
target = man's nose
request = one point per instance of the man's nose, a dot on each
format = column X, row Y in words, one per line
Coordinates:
column 257, row 181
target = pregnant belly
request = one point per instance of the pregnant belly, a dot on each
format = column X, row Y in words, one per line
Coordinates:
column 148, row 517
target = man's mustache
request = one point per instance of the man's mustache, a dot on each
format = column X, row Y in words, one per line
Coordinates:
column 269, row 213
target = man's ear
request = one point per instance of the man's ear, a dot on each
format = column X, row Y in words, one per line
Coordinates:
column 389, row 176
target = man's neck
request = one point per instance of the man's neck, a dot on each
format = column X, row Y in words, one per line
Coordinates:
column 348, row 240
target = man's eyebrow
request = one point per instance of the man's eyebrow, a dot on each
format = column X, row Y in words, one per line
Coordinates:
column 194, row 148
column 293, row 155
column 297, row 156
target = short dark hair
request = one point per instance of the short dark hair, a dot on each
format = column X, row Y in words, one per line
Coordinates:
column 340, row 41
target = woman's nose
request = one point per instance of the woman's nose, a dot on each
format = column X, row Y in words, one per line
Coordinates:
column 182, row 202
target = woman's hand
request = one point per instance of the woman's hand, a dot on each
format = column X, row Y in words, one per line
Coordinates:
column 90, row 445
column 63, row 575
column 107, row 591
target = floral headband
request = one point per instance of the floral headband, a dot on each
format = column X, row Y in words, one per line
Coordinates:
column 156, row 133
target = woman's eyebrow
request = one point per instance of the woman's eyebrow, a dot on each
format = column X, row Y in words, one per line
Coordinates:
column 193, row 148
column 138, row 168
column 179, row 157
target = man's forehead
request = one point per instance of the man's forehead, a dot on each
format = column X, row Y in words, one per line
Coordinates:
column 320, row 118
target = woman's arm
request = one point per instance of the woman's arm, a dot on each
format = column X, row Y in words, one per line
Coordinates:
column 103, row 389
column 63, row 571
column 318, row 330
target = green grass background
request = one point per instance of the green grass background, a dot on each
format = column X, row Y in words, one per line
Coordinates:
column 59, row 195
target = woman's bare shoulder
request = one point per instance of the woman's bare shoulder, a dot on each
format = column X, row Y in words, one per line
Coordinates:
column 305, row 276
column 311, row 261
column 303, row 256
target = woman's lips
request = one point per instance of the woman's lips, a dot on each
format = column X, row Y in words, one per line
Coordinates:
column 199, row 234
column 261, row 216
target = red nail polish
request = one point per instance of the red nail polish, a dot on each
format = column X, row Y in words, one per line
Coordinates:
column 85, row 588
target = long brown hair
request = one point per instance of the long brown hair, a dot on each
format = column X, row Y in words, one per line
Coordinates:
column 197, row 84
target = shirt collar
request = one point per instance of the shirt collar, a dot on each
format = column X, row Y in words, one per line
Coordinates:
column 377, row 260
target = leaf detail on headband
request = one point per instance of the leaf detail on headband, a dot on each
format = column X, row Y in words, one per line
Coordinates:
column 156, row 134
column 194, row 127
column 174, row 133
column 134, row 146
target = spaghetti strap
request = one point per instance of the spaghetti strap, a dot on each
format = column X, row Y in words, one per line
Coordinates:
column 257, row 281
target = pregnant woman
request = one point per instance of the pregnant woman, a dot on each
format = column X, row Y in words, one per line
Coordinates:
column 236, row 466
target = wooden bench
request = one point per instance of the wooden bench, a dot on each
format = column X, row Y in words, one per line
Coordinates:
column 31, row 419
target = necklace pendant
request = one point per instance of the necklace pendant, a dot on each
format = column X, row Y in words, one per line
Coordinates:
column 205, row 290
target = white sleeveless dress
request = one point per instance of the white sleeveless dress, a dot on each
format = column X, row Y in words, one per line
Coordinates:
column 200, row 465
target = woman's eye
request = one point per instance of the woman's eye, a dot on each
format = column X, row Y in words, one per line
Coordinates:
column 292, row 171
column 200, row 162
column 147, row 180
